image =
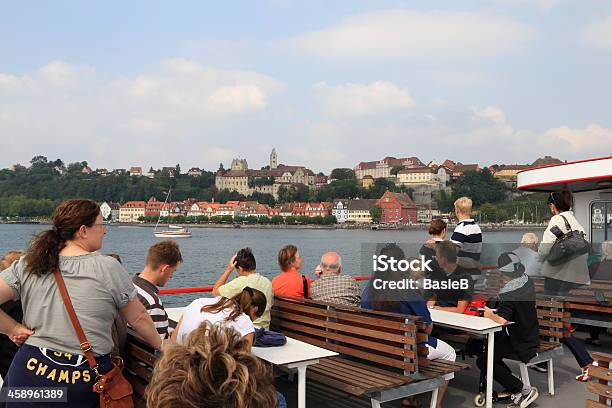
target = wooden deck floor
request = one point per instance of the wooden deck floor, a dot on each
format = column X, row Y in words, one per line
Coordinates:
column 461, row 392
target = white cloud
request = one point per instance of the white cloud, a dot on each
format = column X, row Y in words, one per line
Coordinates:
column 598, row 34
column 237, row 99
column 454, row 78
column 593, row 137
column 544, row 5
column 188, row 88
column 360, row 100
column 490, row 114
column 401, row 34
column 140, row 125
column 184, row 112
column 179, row 111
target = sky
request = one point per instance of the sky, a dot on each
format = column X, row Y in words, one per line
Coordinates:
column 327, row 83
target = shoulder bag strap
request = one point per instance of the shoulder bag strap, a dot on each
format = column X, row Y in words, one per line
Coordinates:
column 305, row 287
column 567, row 224
column 84, row 344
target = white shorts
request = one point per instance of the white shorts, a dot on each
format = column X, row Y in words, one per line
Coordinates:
column 445, row 352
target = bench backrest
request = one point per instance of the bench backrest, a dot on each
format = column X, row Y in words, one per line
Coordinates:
column 387, row 339
column 598, row 291
column 553, row 319
column 601, row 388
column 139, row 359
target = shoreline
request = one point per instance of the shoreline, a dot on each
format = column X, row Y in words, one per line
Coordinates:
column 415, row 227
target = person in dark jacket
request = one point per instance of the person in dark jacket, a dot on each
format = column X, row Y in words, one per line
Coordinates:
column 519, row 340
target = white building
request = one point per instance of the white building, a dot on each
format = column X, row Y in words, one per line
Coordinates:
column 340, row 210
column 105, row 210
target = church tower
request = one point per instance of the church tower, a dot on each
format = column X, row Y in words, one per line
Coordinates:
column 273, row 159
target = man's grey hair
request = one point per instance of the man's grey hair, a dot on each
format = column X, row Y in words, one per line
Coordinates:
column 338, row 261
column 530, row 239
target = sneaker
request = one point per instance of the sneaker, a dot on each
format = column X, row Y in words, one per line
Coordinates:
column 524, row 399
column 584, row 376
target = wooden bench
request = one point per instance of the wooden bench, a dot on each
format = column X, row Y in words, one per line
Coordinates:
column 553, row 321
column 590, row 305
column 381, row 356
column 602, row 386
column 139, row 360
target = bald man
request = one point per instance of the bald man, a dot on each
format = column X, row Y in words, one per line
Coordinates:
column 333, row 287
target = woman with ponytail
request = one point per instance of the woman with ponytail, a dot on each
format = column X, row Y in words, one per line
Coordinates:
column 237, row 312
column 99, row 288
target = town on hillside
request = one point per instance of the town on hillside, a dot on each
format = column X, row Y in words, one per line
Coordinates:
column 388, row 191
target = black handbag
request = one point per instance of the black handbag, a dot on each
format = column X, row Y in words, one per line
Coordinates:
column 568, row 246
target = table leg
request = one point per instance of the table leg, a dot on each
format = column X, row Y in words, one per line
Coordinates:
column 301, row 386
column 489, row 390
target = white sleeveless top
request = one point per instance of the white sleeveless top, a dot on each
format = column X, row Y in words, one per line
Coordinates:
column 193, row 317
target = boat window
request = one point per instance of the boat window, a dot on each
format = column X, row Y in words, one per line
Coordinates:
column 601, row 223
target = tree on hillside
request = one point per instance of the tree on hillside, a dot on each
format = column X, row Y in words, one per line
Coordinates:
column 481, row 186
column 396, row 169
column 340, row 189
column 342, row 174
column 294, row 192
column 39, row 161
column 444, row 201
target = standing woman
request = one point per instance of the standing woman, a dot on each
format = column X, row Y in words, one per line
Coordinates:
column 99, row 289
column 560, row 279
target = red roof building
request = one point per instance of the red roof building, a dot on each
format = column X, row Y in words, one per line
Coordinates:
column 397, row 208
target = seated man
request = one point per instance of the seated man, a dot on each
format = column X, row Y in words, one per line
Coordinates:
column 519, row 340
column 333, row 287
column 163, row 259
column 528, row 254
column 452, row 286
column 245, row 265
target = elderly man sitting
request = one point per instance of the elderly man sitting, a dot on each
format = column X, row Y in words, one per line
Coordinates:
column 333, row 287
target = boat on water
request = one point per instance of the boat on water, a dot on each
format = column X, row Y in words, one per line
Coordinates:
column 173, row 231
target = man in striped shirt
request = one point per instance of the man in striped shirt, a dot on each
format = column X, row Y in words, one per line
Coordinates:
column 162, row 261
column 468, row 237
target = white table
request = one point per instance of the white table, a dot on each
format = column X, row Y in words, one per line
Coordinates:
column 477, row 325
column 294, row 355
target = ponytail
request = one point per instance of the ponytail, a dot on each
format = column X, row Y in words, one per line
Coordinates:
column 240, row 303
column 42, row 255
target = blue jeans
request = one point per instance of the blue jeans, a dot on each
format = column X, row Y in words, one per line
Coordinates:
column 281, row 400
column 555, row 287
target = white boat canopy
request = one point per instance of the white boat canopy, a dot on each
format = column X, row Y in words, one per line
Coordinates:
column 583, row 175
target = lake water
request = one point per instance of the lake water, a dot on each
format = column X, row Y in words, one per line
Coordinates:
column 206, row 254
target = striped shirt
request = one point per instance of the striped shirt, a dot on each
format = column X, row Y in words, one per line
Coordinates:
column 468, row 237
column 148, row 294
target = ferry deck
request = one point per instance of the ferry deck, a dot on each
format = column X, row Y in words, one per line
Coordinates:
column 569, row 393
